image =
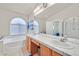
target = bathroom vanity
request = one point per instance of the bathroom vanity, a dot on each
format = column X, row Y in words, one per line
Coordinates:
column 48, row 45
column 36, row 47
column 61, row 39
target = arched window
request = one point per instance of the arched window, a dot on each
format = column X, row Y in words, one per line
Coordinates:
column 33, row 26
column 36, row 26
column 17, row 26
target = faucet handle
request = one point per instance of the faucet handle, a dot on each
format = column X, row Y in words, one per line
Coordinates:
column 63, row 39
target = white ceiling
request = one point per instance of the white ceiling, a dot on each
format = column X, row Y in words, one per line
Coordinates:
column 22, row 8
column 28, row 8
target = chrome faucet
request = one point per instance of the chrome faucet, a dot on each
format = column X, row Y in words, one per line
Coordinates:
column 64, row 39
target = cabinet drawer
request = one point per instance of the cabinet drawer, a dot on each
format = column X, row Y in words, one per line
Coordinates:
column 54, row 53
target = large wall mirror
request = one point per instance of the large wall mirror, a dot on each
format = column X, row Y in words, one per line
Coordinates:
column 68, row 27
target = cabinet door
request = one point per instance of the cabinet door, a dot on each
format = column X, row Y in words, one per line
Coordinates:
column 55, row 53
column 34, row 48
column 45, row 51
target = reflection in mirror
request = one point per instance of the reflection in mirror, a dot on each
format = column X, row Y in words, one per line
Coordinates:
column 56, row 28
column 71, row 27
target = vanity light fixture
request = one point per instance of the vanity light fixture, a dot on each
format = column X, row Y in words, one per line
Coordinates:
column 42, row 7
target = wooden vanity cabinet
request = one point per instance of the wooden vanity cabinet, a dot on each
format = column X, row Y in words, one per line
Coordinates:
column 36, row 48
column 45, row 51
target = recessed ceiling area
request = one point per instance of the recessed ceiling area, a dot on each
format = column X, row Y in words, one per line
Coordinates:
column 22, row 8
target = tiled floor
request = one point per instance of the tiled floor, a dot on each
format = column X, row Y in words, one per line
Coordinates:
column 12, row 46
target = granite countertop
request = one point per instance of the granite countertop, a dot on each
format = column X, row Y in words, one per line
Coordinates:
column 49, row 41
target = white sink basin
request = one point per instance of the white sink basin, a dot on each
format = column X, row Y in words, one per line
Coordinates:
column 65, row 45
column 56, row 41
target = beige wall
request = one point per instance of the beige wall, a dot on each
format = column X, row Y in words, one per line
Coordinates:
column 5, row 18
